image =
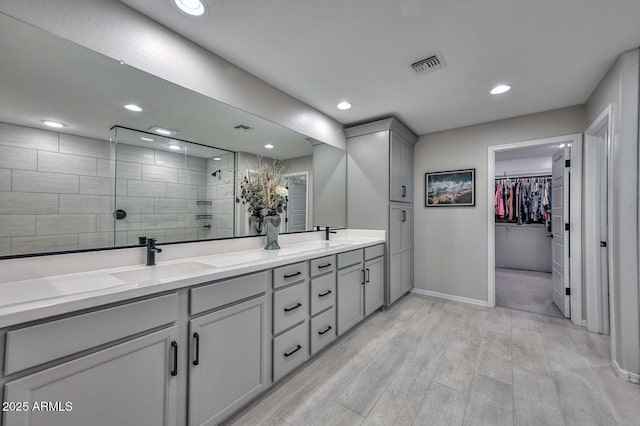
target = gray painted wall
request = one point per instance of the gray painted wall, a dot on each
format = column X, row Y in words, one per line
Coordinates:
column 451, row 243
column 113, row 29
column 620, row 89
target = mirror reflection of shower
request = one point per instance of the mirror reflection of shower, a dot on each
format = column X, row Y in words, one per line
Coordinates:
column 181, row 193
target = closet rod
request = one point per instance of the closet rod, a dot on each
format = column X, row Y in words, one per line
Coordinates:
column 523, row 176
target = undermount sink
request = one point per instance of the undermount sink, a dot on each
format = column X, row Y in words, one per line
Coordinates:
column 154, row 273
column 231, row 259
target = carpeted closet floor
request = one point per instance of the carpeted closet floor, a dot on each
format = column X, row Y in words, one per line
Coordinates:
column 525, row 291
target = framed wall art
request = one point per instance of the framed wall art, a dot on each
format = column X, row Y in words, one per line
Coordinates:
column 455, row 188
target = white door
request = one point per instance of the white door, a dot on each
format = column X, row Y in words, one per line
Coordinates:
column 296, row 215
column 603, row 229
column 559, row 218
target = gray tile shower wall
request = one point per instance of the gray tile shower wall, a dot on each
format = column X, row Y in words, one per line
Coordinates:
column 57, row 192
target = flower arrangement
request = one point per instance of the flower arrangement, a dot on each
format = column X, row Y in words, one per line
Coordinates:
column 264, row 191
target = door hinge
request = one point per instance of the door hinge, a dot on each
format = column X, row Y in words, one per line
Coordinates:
column 603, row 243
column 567, row 163
column 567, row 291
column 566, row 226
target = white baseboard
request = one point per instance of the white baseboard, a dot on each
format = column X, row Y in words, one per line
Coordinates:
column 449, row 297
column 625, row 375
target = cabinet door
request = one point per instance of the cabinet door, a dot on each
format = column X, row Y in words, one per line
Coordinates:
column 406, row 271
column 407, row 172
column 395, row 252
column 128, row 384
column 396, row 171
column 350, row 297
column 374, row 285
column 228, row 360
column 406, row 257
column 406, row 228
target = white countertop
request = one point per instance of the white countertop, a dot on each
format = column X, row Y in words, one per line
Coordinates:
column 29, row 300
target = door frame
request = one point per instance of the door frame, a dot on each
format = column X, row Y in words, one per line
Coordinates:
column 592, row 287
column 306, row 210
column 575, row 217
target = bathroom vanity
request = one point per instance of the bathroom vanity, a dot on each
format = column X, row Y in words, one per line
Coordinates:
column 189, row 341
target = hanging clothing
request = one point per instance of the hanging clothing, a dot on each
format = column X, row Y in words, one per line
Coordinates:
column 523, row 200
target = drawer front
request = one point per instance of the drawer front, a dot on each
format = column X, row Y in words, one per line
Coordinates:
column 290, row 350
column 290, row 274
column 323, row 293
column 290, row 306
column 222, row 293
column 323, row 330
column 349, row 258
column 373, row 252
column 31, row 346
column 323, row 265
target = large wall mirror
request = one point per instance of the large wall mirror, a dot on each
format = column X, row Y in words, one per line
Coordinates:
column 108, row 175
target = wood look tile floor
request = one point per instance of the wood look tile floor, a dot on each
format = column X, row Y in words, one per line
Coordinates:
column 428, row 361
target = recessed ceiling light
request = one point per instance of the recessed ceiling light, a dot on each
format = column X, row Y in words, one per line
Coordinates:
column 147, row 139
column 133, row 107
column 54, row 124
column 217, row 159
column 190, row 7
column 561, row 146
column 500, row 89
column 344, row 105
column 269, row 146
column 174, row 147
column 160, row 162
column 163, row 131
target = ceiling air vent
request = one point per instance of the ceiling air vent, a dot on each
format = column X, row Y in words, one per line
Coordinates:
column 242, row 127
column 431, row 63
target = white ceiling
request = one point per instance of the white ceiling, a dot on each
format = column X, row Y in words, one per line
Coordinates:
column 552, row 52
column 55, row 79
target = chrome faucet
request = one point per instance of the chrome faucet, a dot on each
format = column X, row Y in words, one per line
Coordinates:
column 151, row 251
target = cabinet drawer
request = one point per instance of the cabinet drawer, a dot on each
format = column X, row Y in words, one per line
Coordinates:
column 349, row 258
column 290, row 350
column 323, row 330
column 290, row 306
column 31, row 346
column 373, row 252
column 290, row 274
column 225, row 292
column 323, row 265
column 323, row 293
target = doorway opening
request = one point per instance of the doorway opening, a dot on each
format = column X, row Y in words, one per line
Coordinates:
column 534, row 237
column 296, row 216
column 597, row 236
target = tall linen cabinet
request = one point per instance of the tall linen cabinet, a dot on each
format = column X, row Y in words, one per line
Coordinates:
column 380, row 194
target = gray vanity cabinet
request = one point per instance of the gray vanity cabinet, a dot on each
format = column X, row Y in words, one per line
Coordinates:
column 350, row 297
column 400, row 250
column 379, row 188
column 401, row 173
column 373, row 285
column 228, row 360
column 136, row 384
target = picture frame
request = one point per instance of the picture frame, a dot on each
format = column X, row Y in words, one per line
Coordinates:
column 452, row 188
